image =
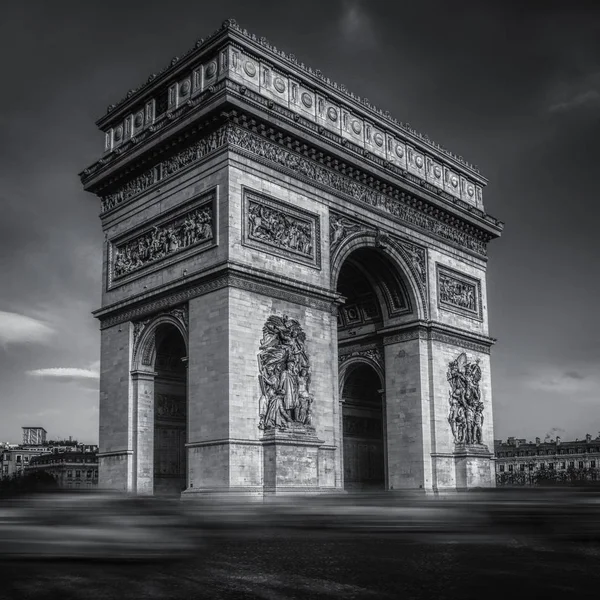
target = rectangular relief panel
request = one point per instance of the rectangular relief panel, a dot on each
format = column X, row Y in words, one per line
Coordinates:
column 459, row 293
column 188, row 229
column 281, row 229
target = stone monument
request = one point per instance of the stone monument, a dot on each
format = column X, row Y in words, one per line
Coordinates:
column 294, row 293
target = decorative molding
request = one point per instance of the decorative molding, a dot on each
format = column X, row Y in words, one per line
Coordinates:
column 179, row 313
column 278, row 228
column 455, row 340
column 245, row 282
column 459, row 293
column 395, row 208
column 189, row 230
column 165, row 169
column 434, row 332
column 374, row 354
column 399, row 205
column 284, row 375
column 250, row 66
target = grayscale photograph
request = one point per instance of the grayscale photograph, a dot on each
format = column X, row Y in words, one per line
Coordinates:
column 298, row 300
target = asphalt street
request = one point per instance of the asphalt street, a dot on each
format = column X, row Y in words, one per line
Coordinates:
column 317, row 564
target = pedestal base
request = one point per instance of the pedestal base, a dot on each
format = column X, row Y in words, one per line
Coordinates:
column 474, row 466
column 291, row 461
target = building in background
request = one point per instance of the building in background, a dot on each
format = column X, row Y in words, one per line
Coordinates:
column 72, row 469
column 519, row 462
column 16, row 458
column 34, row 436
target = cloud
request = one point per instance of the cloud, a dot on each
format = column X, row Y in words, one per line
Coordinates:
column 19, row 329
column 557, row 380
column 580, row 100
column 87, row 378
column 355, row 23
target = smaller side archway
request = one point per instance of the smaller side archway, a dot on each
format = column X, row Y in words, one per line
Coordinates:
column 160, row 408
column 363, row 425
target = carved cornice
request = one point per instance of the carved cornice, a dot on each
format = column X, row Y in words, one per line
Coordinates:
column 441, row 333
column 227, row 277
column 373, row 353
column 349, row 183
column 264, row 48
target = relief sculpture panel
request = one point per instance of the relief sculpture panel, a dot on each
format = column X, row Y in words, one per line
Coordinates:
column 191, row 229
column 459, row 293
column 281, row 229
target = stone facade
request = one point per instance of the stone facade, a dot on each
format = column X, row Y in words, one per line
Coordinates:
column 239, row 188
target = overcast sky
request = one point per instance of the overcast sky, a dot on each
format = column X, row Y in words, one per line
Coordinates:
column 515, row 91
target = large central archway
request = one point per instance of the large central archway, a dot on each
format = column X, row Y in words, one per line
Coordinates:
column 376, row 297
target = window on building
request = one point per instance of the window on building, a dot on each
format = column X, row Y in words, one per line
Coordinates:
column 77, row 473
column 510, row 468
column 89, row 474
column 18, row 458
column 563, row 465
column 26, row 459
column 69, row 473
column 572, row 464
column 542, row 465
column 95, row 472
column 531, row 465
column 551, row 465
column 593, row 464
column 501, row 468
column 581, row 464
column 521, row 467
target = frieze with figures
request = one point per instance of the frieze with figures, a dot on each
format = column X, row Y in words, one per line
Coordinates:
column 397, row 208
column 170, row 407
column 165, row 169
column 459, row 293
column 191, row 229
column 362, row 427
column 284, row 376
column 373, row 354
column 466, row 408
column 281, row 229
column 359, row 192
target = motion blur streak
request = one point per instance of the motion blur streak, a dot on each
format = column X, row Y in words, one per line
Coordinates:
column 110, row 526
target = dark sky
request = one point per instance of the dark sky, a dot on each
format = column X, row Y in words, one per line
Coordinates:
column 512, row 87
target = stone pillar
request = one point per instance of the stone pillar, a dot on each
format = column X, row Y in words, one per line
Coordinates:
column 143, row 430
column 408, row 439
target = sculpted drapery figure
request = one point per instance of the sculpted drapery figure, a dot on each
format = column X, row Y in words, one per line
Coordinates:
column 466, row 409
column 284, row 375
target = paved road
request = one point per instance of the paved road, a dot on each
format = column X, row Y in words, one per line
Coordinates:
column 304, row 564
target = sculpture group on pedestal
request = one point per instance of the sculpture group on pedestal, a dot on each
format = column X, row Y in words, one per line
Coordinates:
column 284, row 376
column 466, row 407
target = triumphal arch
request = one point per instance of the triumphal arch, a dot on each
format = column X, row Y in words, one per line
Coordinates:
column 294, row 294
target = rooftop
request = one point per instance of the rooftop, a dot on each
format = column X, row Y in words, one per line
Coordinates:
column 231, row 25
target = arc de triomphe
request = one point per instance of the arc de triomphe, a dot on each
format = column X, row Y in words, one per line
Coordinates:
column 294, row 287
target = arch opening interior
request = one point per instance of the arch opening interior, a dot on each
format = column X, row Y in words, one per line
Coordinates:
column 170, row 412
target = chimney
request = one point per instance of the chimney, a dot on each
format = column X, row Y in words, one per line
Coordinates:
column 588, row 438
column 537, row 441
